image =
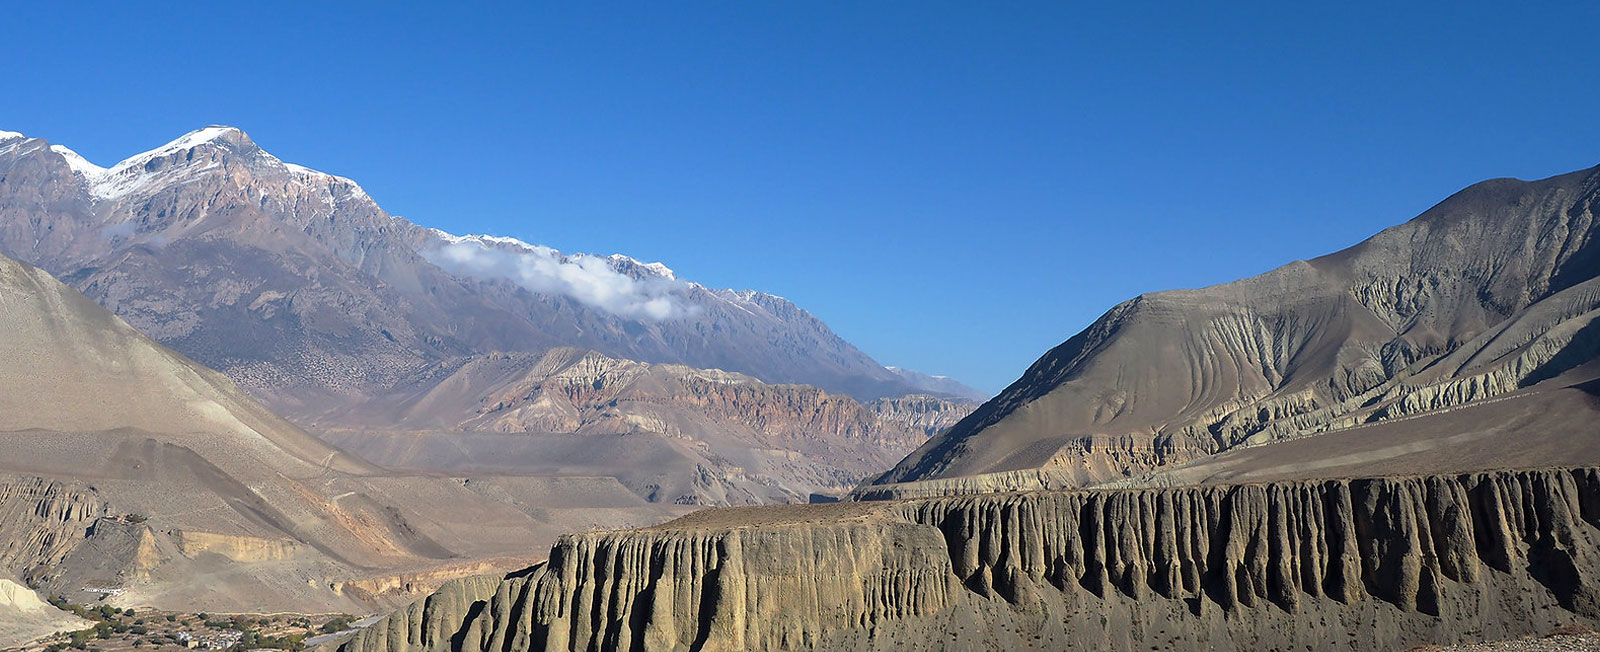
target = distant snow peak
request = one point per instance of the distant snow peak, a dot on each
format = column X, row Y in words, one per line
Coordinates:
column 189, row 140
column 303, row 171
column 142, row 172
column 903, row 370
column 9, row 135
column 600, row 282
column 79, row 164
column 657, row 269
column 135, row 173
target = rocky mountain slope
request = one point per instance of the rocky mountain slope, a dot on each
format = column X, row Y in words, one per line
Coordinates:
column 1495, row 290
column 299, row 287
column 1379, row 563
column 765, row 443
column 124, row 465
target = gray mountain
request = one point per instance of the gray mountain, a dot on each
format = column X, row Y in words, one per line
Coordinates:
column 297, row 285
column 939, row 385
column 1491, row 295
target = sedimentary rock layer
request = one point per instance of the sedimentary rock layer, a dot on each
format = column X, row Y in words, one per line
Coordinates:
column 754, row 442
column 1493, row 291
column 1369, row 563
column 42, row 520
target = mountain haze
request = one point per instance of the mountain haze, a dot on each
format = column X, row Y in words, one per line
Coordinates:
column 941, row 385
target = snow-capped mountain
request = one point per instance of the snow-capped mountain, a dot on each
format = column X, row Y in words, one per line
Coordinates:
column 299, row 286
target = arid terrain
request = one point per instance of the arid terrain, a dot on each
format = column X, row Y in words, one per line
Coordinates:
column 1388, row 447
column 435, row 432
column 169, row 484
column 1391, row 447
column 1493, row 291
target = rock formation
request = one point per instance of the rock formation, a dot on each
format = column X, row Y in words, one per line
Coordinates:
column 727, row 438
column 1379, row 563
column 761, row 443
column 1494, row 290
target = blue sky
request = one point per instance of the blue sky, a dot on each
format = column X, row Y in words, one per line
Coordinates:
column 953, row 187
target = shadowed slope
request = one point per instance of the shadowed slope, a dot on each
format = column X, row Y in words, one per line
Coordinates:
column 1492, row 290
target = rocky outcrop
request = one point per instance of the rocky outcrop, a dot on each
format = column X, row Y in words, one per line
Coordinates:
column 1378, row 563
column 42, row 521
column 237, row 548
column 1494, row 290
column 777, row 443
column 929, row 414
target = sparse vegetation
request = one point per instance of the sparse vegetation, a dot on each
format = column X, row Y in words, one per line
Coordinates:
column 338, row 623
column 116, row 630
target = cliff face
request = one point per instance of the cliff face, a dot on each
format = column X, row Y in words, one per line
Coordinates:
column 1494, row 290
column 1363, row 564
column 772, row 443
column 41, row 521
column 572, row 390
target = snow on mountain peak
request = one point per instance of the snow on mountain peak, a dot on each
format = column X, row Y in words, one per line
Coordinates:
column 303, row 171
column 132, row 174
column 78, row 163
column 10, row 135
column 185, row 142
column 657, row 269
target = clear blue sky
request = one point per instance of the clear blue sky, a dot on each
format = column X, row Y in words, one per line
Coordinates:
column 953, row 187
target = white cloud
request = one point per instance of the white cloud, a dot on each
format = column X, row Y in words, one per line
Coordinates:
column 590, row 280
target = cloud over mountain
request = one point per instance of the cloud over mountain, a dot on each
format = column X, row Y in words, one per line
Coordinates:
column 651, row 293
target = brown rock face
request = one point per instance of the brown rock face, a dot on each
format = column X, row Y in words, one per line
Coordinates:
column 1494, row 290
column 772, row 443
column 1379, row 563
column 41, row 521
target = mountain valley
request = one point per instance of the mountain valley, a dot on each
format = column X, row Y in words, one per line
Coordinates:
column 1392, row 445
column 1388, row 447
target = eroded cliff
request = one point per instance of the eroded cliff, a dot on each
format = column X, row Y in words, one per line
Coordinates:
column 1369, row 563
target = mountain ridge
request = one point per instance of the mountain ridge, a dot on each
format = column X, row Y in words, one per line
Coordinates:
column 340, row 296
column 1476, row 296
